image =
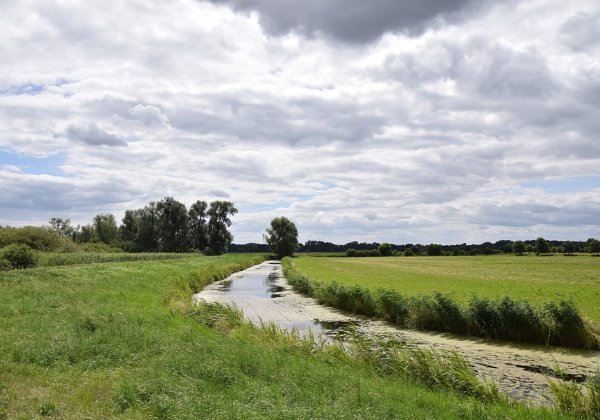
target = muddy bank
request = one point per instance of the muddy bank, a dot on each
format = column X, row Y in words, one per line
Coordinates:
column 263, row 294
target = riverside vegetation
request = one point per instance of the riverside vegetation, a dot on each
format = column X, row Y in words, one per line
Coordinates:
column 122, row 340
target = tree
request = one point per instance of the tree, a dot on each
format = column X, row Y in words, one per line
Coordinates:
column 282, row 237
column 385, row 249
column 147, row 229
column 518, row 247
column 434, row 250
column 172, row 223
column 105, row 228
column 129, row 228
column 541, row 246
column 197, row 228
column 62, row 226
column 219, row 237
column 568, row 247
column 594, row 246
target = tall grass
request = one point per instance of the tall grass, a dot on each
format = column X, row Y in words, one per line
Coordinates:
column 49, row 259
column 548, row 324
column 582, row 400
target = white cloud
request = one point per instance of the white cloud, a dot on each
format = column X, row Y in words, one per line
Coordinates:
column 425, row 137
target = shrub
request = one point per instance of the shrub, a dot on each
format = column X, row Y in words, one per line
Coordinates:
column 566, row 326
column 38, row 238
column 5, row 264
column 19, row 256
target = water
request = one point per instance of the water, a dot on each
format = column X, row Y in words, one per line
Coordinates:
column 263, row 295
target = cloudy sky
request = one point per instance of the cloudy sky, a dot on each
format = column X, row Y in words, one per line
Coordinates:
column 389, row 120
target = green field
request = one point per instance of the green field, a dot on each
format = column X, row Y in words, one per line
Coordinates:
column 121, row 340
column 535, row 279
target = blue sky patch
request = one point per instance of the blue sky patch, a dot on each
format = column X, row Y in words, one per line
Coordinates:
column 33, row 165
column 26, row 89
column 566, row 185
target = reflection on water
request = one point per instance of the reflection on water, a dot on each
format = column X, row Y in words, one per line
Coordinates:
column 253, row 284
column 258, row 293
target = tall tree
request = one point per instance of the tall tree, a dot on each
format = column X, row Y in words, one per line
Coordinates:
column 594, row 246
column 518, row 247
column 172, row 225
column 282, row 237
column 219, row 236
column 129, row 226
column 62, row 226
column 105, row 228
column 569, row 247
column 147, row 229
column 541, row 246
column 197, row 227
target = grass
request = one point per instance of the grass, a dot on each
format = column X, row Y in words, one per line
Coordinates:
column 52, row 259
column 550, row 323
column 121, row 340
column 534, row 279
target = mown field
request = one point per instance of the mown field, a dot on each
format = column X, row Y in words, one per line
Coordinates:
column 121, row 340
column 531, row 278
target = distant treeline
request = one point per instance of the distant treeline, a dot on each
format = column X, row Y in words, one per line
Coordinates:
column 366, row 249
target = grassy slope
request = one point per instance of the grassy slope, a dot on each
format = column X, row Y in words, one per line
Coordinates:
column 115, row 340
column 535, row 279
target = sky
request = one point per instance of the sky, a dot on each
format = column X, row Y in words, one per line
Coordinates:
column 404, row 121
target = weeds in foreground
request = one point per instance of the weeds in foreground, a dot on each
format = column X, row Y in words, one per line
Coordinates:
column 579, row 399
column 443, row 370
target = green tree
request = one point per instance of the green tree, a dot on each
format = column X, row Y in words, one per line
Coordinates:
column 282, row 237
column 518, row 247
column 105, row 228
column 62, row 226
column 385, row 249
column 147, row 227
column 594, row 246
column 219, row 236
column 541, row 246
column 569, row 247
column 128, row 229
column 434, row 250
column 172, row 224
column 197, row 227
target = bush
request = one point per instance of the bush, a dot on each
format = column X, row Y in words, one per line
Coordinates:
column 38, row 238
column 5, row 264
column 19, row 256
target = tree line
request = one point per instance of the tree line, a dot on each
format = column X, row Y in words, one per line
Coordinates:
column 161, row 226
column 539, row 246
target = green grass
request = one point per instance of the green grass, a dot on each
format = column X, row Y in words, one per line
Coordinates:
column 530, row 278
column 52, row 259
column 121, row 340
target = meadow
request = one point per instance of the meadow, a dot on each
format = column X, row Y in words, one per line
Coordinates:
column 531, row 278
column 122, row 340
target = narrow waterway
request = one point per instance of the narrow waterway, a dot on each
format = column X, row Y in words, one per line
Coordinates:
column 520, row 371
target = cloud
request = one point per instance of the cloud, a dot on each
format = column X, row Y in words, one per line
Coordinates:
column 149, row 115
column 93, row 135
column 433, row 132
column 352, row 22
column 581, row 31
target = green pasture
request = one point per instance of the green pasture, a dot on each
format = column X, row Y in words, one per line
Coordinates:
column 122, row 340
column 532, row 278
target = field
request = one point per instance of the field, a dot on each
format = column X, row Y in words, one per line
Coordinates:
column 121, row 340
column 531, row 278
